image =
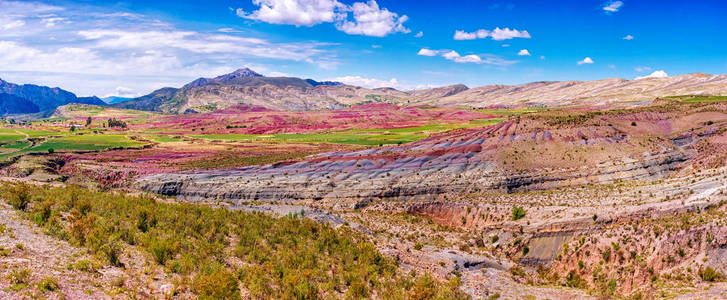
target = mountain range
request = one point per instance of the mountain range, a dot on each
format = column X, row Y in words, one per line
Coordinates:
column 30, row 98
column 247, row 87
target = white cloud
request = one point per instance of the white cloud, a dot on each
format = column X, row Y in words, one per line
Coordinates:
column 368, row 18
column 229, row 30
column 524, row 52
column 628, row 37
column 586, row 60
column 612, row 6
column 454, row 56
column 419, row 34
column 91, row 52
column 11, row 24
column 295, row 12
column 122, row 91
column 497, row 34
column 427, row 52
column 655, row 74
column 642, row 69
column 367, row 82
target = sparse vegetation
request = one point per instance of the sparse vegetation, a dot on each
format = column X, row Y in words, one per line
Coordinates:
column 190, row 240
column 517, row 213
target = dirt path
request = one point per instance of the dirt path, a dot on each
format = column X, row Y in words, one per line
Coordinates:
column 44, row 257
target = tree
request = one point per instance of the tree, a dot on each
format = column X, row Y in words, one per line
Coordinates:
column 88, row 121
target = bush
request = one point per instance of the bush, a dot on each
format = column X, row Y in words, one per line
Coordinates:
column 574, row 280
column 517, row 213
column 47, row 284
column 709, row 274
column 418, row 246
column 282, row 258
column 217, row 283
column 21, row 276
column 19, row 197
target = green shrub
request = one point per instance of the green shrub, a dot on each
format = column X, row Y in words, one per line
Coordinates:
column 84, row 265
column 47, row 284
column 282, row 257
column 418, row 246
column 217, row 283
column 21, row 276
column 574, row 280
column 18, row 196
column 709, row 274
column 517, row 213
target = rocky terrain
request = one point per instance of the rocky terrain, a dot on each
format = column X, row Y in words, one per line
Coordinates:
column 534, row 152
column 539, row 198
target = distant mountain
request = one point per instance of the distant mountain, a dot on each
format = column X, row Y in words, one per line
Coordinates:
column 11, row 104
column 317, row 83
column 43, row 97
column 247, row 87
column 115, row 99
column 563, row 93
column 151, row 102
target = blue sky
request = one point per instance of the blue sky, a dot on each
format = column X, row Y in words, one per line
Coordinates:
column 130, row 48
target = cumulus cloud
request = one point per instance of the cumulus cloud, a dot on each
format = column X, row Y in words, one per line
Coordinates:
column 524, row 52
column 655, row 74
column 628, row 37
column 295, row 12
column 370, row 20
column 454, row 56
column 586, row 60
column 497, row 34
column 427, row 52
column 367, row 17
column 419, row 34
column 612, row 6
column 95, row 52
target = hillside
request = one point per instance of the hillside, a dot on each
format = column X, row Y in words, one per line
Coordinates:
column 599, row 92
column 10, row 104
column 247, row 87
column 43, row 97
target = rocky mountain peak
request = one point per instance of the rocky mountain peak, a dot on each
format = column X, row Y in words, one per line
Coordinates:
column 244, row 72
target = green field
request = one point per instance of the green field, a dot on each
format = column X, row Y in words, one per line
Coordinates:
column 87, row 142
column 695, row 99
column 353, row 136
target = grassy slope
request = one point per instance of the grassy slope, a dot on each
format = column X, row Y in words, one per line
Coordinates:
column 282, row 258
